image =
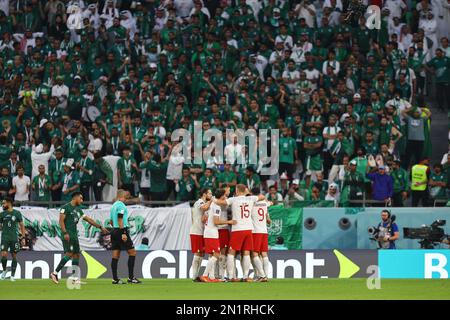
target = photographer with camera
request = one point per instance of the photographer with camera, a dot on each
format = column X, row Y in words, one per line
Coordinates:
column 387, row 231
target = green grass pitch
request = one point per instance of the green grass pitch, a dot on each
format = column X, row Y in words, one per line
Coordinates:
column 164, row 289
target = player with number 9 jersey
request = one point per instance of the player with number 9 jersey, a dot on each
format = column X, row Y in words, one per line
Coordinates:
column 259, row 218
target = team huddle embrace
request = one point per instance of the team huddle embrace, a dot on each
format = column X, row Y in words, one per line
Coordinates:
column 211, row 233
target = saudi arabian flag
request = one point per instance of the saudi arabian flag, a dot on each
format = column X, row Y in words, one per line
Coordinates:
column 287, row 223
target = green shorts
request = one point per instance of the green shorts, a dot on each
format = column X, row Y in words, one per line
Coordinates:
column 72, row 246
column 12, row 246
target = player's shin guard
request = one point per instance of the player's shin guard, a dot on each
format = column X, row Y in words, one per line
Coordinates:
column 4, row 261
column 62, row 263
column 266, row 263
column 131, row 260
column 222, row 265
column 114, row 263
column 230, row 266
column 13, row 267
column 258, row 267
column 196, row 264
column 246, row 266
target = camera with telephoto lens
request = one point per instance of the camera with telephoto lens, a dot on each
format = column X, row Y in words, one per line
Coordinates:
column 429, row 235
column 374, row 232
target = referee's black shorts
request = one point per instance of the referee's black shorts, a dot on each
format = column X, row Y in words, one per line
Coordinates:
column 117, row 243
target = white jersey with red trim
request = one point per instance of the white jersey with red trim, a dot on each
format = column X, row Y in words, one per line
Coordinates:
column 197, row 226
column 212, row 230
column 259, row 216
column 241, row 207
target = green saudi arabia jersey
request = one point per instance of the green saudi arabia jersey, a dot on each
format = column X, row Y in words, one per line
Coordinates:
column 88, row 164
column 158, row 172
column 126, row 169
column 69, row 180
column 442, row 68
column 73, row 214
column 10, row 221
column 42, row 187
column 119, row 208
column 287, row 149
column 313, row 140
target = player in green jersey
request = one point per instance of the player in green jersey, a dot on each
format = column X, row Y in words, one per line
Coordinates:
column 70, row 214
column 9, row 220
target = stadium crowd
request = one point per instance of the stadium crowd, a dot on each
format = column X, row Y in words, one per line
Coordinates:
column 84, row 80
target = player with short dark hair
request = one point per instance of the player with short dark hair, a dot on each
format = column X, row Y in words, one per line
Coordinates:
column 9, row 220
column 69, row 216
column 120, row 238
column 196, row 232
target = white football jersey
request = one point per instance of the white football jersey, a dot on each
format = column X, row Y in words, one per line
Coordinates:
column 197, row 226
column 212, row 230
column 241, row 207
column 259, row 216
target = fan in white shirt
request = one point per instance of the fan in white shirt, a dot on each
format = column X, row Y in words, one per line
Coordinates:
column 21, row 186
column 232, row 151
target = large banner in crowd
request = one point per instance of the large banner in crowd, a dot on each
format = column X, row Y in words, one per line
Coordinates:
column 166, row 228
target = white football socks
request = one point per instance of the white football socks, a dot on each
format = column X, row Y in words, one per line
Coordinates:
column 266, row 264
column 211, row 267
column 258, row 267
column 246, row 266
column 230, row 266
column 196, row 264
column 222, row 265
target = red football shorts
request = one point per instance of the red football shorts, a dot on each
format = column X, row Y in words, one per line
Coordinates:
column 224, row 238
column 241, row 240
column 260, row 242
column 212, row 245
column 197, row 243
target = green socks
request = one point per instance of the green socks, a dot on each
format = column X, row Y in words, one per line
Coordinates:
column 62, row 263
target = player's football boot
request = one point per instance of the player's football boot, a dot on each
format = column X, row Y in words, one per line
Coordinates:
column 12, row 279
column 214, row 280
column 134, row 281
column 118, row 281
column 263, row 279
column 54, row 277
column 247, row 280
column 204, row 279
column 235, row 280
column 3, row 275
column 197, row 279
